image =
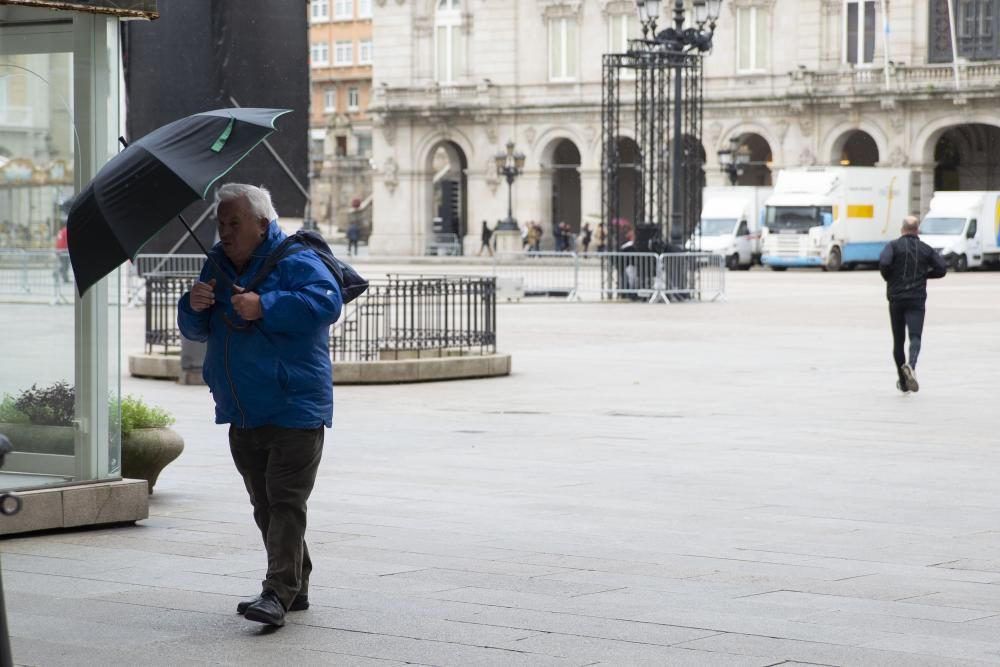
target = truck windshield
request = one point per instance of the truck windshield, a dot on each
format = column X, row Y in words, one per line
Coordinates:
column 717, row 226
column 942, row 226
column 795, row 218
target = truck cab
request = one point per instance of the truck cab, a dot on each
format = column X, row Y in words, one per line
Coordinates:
column 729, row 224
column 964, row 227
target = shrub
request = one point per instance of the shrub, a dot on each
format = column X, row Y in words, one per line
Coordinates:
column 136, row 414
column 51, row 406
column 10, row 414
column 54, row 406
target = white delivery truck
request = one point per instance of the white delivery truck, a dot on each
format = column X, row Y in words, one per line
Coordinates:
column 833, row 217
column 964, row 227
column 730, row 223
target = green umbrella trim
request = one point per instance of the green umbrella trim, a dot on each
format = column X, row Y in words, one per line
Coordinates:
column 224, row 137
column 215, row 180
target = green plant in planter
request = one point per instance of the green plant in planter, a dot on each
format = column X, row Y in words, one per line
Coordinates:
column 148, row 445
column 136, row 414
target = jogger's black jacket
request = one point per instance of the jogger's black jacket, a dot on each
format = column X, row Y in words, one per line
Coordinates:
column 906, row 264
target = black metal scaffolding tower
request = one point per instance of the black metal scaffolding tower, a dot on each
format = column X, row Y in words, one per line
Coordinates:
column 652, row 95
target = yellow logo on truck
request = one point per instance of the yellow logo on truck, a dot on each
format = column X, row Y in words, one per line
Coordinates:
column 860, row 211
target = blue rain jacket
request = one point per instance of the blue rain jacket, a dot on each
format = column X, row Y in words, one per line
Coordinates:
column 276, row 372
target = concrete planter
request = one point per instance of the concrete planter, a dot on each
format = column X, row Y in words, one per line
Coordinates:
column 36, row 439
column 147, row 451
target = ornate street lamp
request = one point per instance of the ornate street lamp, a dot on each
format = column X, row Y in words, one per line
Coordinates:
column 734, row 160
column 679, row 42
column 510, row 165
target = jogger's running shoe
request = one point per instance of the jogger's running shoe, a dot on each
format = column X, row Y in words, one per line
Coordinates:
column 911, row 379
column 901, row 385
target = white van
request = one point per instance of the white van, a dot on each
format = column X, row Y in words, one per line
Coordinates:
column 832, row 217
column 964, row 227
column 730, row 223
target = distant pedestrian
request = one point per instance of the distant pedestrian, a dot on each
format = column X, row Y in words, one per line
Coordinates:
column 485, row 235
column 62, row 252
column 585, row 236
column 906, row 264
column 601, row 237
column 353, row 236
column 268, row 367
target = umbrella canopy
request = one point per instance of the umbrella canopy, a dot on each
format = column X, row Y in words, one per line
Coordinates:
column 145, row 186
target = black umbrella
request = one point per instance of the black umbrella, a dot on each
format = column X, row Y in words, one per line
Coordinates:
column 148, row 184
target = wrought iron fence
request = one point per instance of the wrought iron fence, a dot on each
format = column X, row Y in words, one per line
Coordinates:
column 403, row 317
column 162, row 294
column 397, row 317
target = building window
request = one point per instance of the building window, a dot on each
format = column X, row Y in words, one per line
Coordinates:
column 364, row 144
column 448, row 42
column 320, row 10
column 621, row 28
column 330, row 100
column 364, row 9
column 343, row 10
column 562, row 49
column 343, row 54
column 341, row 142
column 751, row 40
column 319, row 54
column 977, row 28
column 365, row 52
column 859, row 34
column 353, row 99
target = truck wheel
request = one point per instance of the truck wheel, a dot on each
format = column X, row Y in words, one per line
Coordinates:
column 778, row 268
column 961, row 264
column 834, row 262
column 733, row 262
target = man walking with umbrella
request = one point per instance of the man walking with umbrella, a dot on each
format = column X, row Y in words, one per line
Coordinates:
column 906, row 264
column 268, row 367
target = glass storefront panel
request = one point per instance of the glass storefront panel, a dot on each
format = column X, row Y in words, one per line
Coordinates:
column 59, row 369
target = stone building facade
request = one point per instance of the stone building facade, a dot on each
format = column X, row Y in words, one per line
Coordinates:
column 795, row 82
column 341, row 56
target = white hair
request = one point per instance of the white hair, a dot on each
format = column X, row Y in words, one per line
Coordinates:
column 258, row 198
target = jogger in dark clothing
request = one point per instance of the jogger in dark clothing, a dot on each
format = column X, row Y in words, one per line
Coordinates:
column 906, row 264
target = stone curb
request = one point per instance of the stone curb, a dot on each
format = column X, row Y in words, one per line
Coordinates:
column 396, row 371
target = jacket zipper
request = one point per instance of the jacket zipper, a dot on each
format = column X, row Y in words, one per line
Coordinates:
column 232, row 386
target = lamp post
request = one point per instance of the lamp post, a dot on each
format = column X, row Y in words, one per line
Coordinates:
column 510, row 165
column 734, row 160
column 679, row 42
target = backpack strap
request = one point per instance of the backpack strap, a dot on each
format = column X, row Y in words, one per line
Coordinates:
column 288, row 247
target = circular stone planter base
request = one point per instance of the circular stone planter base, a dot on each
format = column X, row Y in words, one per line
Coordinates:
column 384, row 371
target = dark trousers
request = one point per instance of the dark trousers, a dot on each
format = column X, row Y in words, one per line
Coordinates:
column 906, row 316
column 352, row 247
column 279, row 467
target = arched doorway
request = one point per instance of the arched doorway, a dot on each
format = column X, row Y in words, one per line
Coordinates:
column 856, row 149
column 449, row 220
column 565, row 196
column 757, row 170
column 629, row 181
column 967, row 157
column 692, row 184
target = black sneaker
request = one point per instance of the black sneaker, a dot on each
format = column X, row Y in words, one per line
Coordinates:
column 267, row 609
column 300, row 603
column 911, row 379
column 900, row 385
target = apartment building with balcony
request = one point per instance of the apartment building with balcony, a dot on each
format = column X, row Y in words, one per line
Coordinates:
column 341, row 57
column 795, row 82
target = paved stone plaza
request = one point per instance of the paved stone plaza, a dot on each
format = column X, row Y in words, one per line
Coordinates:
column 733, row 483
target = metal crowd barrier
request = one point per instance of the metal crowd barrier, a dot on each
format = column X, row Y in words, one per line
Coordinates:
column 576, row 276
column 43, row 276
